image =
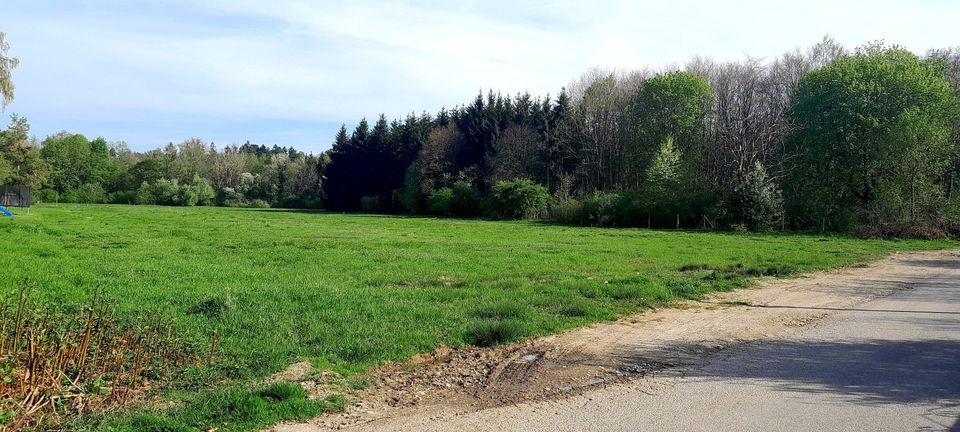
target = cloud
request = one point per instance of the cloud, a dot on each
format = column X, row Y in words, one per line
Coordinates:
column 281, row 71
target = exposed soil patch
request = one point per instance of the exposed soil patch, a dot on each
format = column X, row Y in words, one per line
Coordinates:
column 469, row 379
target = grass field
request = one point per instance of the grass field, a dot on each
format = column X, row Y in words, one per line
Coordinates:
column 350, row 291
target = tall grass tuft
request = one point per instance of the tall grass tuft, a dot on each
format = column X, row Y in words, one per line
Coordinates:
column 492, row 333
column 61, row 364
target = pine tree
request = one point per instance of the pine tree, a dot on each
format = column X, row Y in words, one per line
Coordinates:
column 664, row 170
column 342, row 140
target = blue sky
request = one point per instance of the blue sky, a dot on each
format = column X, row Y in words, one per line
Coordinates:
column 289, row 72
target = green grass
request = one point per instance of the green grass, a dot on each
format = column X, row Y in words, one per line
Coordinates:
column 350, row 291
column 232, row 408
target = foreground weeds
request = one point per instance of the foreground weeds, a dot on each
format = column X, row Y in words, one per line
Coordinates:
column 60, row 364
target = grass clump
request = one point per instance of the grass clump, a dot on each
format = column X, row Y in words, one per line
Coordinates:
column 230, row 409
column 694, row 267
column 576, row 308
column 500, row 311
column 492, row 333
column 212, row 307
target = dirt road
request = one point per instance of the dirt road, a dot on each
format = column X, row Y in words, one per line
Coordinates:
column 869, row 348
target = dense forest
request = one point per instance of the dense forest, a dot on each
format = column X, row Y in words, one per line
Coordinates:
column 864, row 141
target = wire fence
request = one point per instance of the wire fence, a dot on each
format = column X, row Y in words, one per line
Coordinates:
column 15, row 196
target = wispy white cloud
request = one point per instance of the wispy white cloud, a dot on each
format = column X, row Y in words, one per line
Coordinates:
column 282, row 71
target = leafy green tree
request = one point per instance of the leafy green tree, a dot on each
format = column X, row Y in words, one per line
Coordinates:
column 148, row 170
column 68, row 156
column 755, row 201
column 665, row 170
column 90, row 193
column 6, row 171
column 187, row 159
column 100, row 164
column 672, row 105
column 203, row 191
column 663, row 194
column 861, row 123
column 75, row 161
column 345, row 184
column 562, row 150
column 22, row 158
column 7, row 65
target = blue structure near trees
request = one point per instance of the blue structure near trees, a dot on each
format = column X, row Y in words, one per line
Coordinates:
column 5, row 212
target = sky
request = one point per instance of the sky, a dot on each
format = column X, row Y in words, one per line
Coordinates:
column 290, row 72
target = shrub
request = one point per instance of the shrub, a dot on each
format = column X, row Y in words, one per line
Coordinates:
column 145, row 194
column 172, row 193
column 123, row 197
column 259, row 203
column 230, row 197
column 370, row 203
column 600, row 209
column 755, row 201
column 440, row 202
column 519, row 198
column 204, row 191
column 568, row 211
column 186, row 196
column 46, row 195
column 165, row 191
column 464, row 201
column 87, row 193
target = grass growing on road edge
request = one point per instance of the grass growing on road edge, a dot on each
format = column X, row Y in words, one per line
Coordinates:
column 350, row 291
column 232, row 408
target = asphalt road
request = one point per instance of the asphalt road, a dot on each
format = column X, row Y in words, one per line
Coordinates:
column 892, row 364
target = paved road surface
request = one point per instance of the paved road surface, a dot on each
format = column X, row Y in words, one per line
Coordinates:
column 892, row 364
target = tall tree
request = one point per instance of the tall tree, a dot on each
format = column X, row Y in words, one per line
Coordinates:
column 672, row 105
column 599, row 125
column 518, row 152
column 7, row 64
column 862, row 122
column 344, row 184
column 73, row 160
column 20, row 157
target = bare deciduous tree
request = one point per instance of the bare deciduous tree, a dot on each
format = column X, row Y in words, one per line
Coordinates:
column 518, row 153
column 751, row 98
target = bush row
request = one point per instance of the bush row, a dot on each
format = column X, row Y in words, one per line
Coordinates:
column 509, row 199
column 160, row 192
column 754, row 204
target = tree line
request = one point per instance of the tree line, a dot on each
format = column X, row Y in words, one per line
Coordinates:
column 824, row 138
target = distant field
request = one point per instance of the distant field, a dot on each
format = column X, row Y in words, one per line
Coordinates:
column 349, row 291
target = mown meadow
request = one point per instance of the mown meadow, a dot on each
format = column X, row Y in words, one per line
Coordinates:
column 349, row 291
